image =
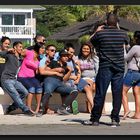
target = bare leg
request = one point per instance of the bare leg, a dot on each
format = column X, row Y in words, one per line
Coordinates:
column 48, row 110
column 29, row 101
column 136, row 93
column 125, row 101
column 38, row 100
column 89, row 95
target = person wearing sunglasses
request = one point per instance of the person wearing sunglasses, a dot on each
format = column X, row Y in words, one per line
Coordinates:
column 56, row 73
column 47, row 58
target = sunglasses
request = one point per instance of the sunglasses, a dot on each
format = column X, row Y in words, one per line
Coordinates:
column 52, row 50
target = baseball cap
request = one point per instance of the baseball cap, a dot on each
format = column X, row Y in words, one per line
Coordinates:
column 63, row 52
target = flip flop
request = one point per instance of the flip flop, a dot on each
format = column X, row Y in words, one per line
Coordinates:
column 75, row 107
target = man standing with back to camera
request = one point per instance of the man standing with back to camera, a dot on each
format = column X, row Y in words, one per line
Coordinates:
column 109, row 42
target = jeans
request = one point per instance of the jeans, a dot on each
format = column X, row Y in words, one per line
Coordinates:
column 53, row 84
column 17, row 92
column 103, row 79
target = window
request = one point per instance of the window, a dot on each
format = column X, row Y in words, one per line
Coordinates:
column 19, row 19
column 7, row 19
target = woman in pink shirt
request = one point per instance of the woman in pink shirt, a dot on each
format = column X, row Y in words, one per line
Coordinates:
column 27, row 72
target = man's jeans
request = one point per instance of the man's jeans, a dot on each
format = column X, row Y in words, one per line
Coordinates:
column 103, row 79
column 53, row 84
column 17, row 92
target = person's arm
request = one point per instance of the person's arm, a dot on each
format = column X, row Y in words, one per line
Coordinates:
column 4, row 53
column 130, row 54
column 44, row 69
column 98, row 29
column 67, row 75
column 49, row 72
column 78, row 74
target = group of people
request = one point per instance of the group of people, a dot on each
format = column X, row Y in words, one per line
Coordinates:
column 39, row 70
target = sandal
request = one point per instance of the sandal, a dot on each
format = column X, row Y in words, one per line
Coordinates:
column 75, row 107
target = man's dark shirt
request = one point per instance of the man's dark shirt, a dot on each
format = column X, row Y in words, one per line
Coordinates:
column 2, row 65
column 109, row 44
column 11, row 66
column 56, row 64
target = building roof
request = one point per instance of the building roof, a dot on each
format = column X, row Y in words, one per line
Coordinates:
column 34, row 7
column 77, row 30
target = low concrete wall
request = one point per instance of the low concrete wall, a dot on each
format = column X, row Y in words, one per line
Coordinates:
column 55, row 101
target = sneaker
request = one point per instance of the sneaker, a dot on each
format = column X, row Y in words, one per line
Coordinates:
column 115, row 124
column 29, row 113
column 61, row 111
column 10, row 109
column 75, row 107
column 89, row 122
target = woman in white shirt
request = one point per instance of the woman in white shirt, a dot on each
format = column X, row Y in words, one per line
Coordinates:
column 132, row 78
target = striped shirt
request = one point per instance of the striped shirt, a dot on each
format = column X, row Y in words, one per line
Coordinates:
column 109, row 44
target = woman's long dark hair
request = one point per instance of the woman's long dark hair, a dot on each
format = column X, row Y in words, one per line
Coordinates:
column 137, row 37
column 37, row 46
column 91, row 54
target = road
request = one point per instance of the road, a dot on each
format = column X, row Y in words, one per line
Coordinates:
column 70, row 129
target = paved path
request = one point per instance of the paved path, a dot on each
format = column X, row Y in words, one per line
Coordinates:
column 64, row 125
column 18, row 119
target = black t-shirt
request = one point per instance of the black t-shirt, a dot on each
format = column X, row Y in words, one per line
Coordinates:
column 56, row 64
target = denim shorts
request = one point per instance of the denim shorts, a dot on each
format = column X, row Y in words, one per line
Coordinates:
column 32, row 84
column 132, row 78
column 82, row 83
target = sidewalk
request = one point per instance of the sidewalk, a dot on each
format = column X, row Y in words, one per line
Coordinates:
column 18, row 119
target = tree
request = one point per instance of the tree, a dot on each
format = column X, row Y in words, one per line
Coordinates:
column 55, row 18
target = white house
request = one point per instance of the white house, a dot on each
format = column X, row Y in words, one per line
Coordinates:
column 18, row 22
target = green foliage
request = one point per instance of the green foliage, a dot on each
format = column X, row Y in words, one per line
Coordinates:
column 55, row 17
column 130, row 34
column 26, row 44
column 58, row 45
column 84, row 39
column 42, row 29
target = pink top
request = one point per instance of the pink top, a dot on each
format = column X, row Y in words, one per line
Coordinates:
column 29, row 65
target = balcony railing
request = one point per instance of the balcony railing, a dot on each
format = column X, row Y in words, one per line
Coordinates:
column 16, row 30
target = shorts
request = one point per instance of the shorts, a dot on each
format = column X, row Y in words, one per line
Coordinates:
column 132, row 78
column 32, row 84
column 82, row 83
